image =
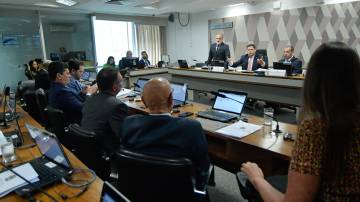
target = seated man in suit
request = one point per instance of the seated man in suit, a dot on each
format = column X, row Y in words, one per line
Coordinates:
column 76, row 70
column 144, row 62
column 219, row 51
column 252, row 60
column 289, row 58
column 160, row 134
column 128, row 55
column 62, row 97
column 103, row 113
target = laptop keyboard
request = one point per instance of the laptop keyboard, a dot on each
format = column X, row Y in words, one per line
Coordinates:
column 46, row 176
column 216, row 115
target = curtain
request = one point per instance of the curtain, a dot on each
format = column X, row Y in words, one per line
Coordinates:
column 148, row 39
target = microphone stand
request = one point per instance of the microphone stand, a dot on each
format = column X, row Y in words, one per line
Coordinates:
column 5, row 103
column 277, row 129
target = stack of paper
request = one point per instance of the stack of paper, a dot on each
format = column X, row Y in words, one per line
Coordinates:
column 239, row 129
column 124, row 92
column 10, row 182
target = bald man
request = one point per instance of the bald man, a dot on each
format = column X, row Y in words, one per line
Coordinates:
column 219, row 51
column 160, row 134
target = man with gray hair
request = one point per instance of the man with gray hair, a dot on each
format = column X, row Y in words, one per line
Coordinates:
column 289, row 58
column 160, row 134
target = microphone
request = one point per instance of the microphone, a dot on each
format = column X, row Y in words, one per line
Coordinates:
column 224, row 96
column 277, row 129
column 137, row 85
column 6, row 93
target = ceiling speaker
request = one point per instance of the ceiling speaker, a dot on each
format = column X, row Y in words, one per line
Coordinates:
column 171, row 17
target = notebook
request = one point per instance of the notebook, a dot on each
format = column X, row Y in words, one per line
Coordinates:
column 226, row 108
column 52, row 165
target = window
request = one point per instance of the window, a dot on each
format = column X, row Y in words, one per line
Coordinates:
column 113, row 38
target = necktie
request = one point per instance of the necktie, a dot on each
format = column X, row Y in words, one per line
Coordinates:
column 217, row 47
column 250, row 63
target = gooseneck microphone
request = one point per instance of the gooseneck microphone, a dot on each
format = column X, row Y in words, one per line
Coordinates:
column 224, row 96
column 6, row 94
column 137, row 85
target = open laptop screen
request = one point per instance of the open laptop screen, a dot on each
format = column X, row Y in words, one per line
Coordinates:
column 85, row 76
column 141, row 82
column 50, row 147
column 179, row 91
column 229, row 105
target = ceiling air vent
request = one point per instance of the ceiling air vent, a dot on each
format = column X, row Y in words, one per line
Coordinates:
column 116, row 2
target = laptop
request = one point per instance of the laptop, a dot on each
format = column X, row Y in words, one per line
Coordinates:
column 110, row 194
column 183, row 64
column 52, row 166
column 179, row 93
column 226, row 109
column 85, row 76
column 140, row 83
column 283, row 66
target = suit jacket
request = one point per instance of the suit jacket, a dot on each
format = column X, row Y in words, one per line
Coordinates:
column 42, row 80
column 144, row 62
column 104, row 114
column 296, row 64
column 244, row 59
column 166, row 136
column 64, row 98
column 223, row 52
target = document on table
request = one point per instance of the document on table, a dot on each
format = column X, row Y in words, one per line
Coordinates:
column 124, row 92
column 10, row 182
column 239, row 129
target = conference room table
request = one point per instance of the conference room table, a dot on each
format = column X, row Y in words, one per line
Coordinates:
column 30, row 151
column 133, row 75
column 229, row 152
column 285, row 90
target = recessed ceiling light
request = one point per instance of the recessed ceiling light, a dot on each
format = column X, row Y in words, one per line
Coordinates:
column 66, row 2
column 47, row 5
column 149, row 7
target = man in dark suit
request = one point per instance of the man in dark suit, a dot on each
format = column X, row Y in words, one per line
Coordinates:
column 103, row 113
column 289, row 58
column 252, row 60
column 160, row 134
column 219, row 51
column 62, row 97
column 144, row 62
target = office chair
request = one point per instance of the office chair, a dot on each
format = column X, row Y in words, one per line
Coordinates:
column 59, row 126
column 261, row 52
column 31, row 105
column 41, row 101
column 89, row 151
column 148, row 178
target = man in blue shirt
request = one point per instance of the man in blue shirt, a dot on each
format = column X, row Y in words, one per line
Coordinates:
column 76, row 70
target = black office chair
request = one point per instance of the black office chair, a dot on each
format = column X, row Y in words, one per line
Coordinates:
column 147, row 178
column 89, row 151
column 59, row 126
column 30, row 105
column 41, row 101
column 261, row 52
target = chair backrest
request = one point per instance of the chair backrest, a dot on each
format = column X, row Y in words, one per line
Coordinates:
column 31, row 105
column 88, row 149
column 261, row 52
column 148, row 178
column 41, row 101
column 59, row 126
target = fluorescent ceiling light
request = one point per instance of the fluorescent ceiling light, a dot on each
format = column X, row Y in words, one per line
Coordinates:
column 149, row 7
column 234, row 5
column 47, row 5
column 66, row 2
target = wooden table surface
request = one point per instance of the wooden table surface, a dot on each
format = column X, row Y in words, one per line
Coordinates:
column 229, row 152
column 26, row 154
